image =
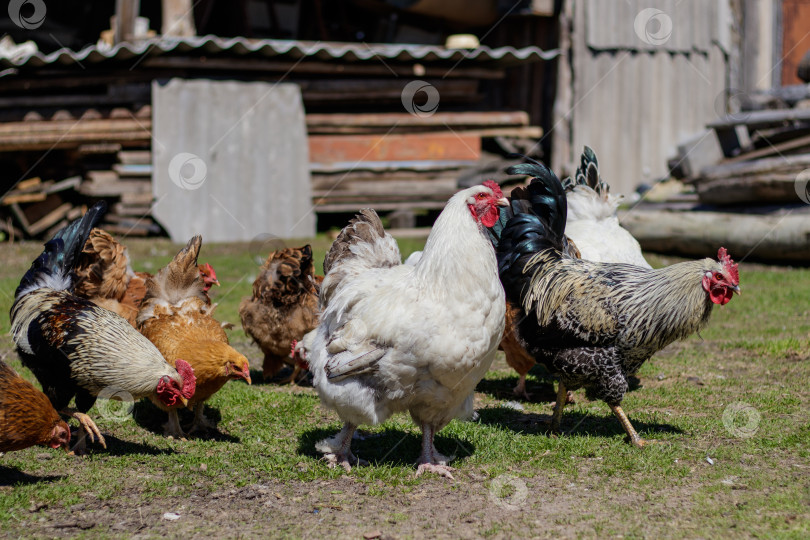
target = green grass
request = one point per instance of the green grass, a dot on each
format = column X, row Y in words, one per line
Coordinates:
column 587, row 482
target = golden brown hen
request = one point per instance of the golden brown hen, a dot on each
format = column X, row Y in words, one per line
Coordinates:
column 176, row 316
column 27, row 417
column 105, row 277
column 283, row 308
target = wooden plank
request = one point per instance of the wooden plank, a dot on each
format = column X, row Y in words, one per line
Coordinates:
column 760, row 119
column 439, row 119
column 178, row 18
column 63, row 185
column 112, row 189
column 102, row 177
column 771, row 150
column 382, row 207
column 388, row 166
column 137, row 198
column 796, row 163
column 99, row 148
column 770, row 188
column 133, row 169
column 29, row 183
column 20, row 215
column 23, row 198
column 135, row 157
column 49, row 219
column 404, row 147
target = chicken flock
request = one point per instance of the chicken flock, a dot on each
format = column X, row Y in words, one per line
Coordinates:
column 547, row 275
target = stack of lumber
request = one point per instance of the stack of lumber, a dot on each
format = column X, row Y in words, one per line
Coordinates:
column 399, row 161
column 759, row 158
column 106, row 155
column 751, row 176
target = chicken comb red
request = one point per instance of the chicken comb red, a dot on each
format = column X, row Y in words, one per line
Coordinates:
column 189, row 380
column 208, row 270
column 729, row 265
column 496, row 189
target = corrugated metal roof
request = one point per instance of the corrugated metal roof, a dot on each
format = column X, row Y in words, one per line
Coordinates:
column 275, row 48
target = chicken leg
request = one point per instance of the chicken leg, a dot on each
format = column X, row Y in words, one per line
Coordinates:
column 172, row 427
column 562, row 399
column 632, row 435
column 87, row 427
column 520, row 389
column 431, row 460
column 201, row 423
column 337, row 450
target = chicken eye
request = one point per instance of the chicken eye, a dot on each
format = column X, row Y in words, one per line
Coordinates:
column 481, row 196
column 718, row 276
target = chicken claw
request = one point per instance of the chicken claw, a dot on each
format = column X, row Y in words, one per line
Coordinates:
column 89, row 429
column 441, row 470
column 172, row 427
column 337, row 449
column 520, row 389
column 344, row 460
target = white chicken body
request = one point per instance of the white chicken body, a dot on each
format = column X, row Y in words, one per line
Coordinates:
column 418, row 338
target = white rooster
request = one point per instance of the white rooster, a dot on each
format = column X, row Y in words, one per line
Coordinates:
column 416, row 338
column 592, row 221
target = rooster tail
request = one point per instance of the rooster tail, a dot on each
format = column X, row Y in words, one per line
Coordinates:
column 178, row 280
column 53, row 268
column 533, row 222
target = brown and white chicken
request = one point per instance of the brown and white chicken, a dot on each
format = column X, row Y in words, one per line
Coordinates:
column 415, row 338
column 105, row 276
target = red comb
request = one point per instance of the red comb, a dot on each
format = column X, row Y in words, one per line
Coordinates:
column 209, row 270
column 496, row 189
column 729, row 265
column 189, row 380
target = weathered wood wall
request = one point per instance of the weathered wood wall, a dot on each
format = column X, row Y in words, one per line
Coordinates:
column 230, row 160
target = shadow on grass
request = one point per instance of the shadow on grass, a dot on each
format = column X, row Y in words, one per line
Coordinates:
column 10, row 476
column 120, row 447
column 541, row 387
column 152, row 419
column 281, row 378
column 573, row 423
column 391, row 447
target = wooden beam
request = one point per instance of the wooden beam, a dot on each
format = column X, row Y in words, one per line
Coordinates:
column 178, row 18
column 126, row 11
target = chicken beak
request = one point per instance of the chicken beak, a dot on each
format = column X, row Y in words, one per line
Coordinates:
column 503, row 201
column 246, row 375
column 736, row 289
column 184, row 401
column 216, row 282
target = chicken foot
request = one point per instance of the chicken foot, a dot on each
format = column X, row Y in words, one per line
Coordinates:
column 87, row 427
column 337, row 450
column 431, row 460
column 632, row 435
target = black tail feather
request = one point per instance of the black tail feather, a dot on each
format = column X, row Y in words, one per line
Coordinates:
column 587, row 174
column 62, row 251
column 533, row 222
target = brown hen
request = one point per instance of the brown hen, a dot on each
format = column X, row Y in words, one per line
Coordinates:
column 283, row 308
column 176, row 315
column 27, row 417
column 105, row 277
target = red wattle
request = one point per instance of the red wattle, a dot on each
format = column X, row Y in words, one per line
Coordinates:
column 491, row 217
